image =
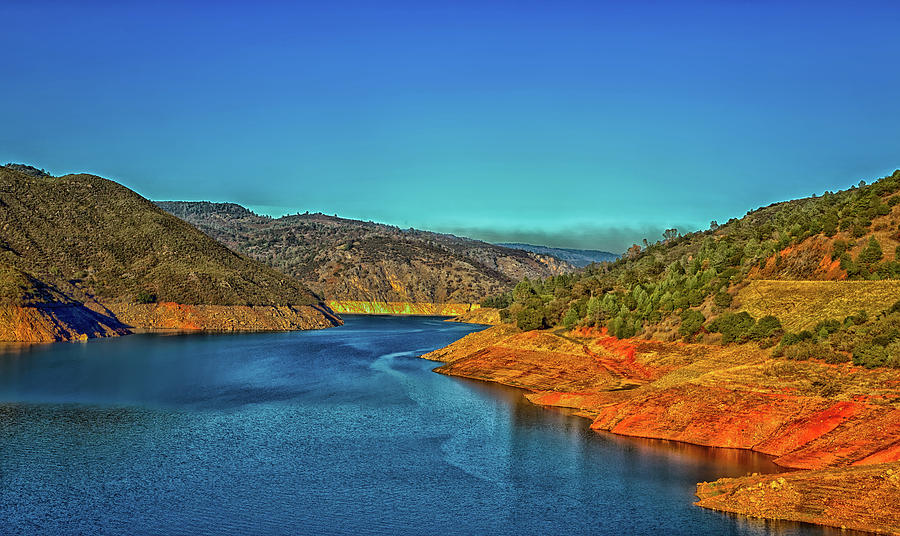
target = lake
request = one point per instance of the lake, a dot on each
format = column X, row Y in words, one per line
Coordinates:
column 340, row 431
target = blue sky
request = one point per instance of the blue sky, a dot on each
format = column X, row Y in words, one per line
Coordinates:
column 580, row 124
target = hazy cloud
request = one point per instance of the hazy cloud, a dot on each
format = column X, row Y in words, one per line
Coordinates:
column 613, row 239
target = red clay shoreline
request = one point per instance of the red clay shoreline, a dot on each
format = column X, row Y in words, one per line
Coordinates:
column 837, row 427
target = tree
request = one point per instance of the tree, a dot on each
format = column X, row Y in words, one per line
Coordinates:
column 633, row 251
column 670, row 234
column 734, row 327
column 871, row 253
column 723, row 298
column 570, row 318
column 145, row 296
column 691, row 322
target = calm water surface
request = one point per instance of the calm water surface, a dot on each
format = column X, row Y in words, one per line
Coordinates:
column 341, row 431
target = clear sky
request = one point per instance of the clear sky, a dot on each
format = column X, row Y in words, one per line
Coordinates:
column 584, row 124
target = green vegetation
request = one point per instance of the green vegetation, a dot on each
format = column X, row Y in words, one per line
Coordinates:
column 691, row 322
column 868, row 341
column 652, row 290
column 90, row 238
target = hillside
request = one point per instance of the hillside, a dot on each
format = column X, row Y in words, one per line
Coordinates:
column 777, row 332
column 684, row 286
column 837, row 426
column 354, row 262
column 82, row 239
column 578, row 258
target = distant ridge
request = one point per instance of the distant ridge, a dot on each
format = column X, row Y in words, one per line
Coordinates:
column 576, row 257
column 357, row 261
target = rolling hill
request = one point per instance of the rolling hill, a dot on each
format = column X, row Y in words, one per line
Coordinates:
column 691, row 286
column 370, row 267
column 81, row 240
column 576, row 257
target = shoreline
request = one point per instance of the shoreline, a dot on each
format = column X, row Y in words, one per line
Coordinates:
column 376, row 307
column 75, row 321
column 715, row 397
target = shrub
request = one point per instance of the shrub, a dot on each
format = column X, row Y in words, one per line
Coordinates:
column 734, row 327
column 767, row 326
column 497, row 302
column 145, row 296
column 766, row 331
column 533, row 315
column 570, row 318
column 723, row 299
column 691, row 322
column 871, row 253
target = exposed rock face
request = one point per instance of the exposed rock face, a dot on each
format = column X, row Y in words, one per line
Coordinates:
column 809, row 415
column 859, row 498
column 55, row 322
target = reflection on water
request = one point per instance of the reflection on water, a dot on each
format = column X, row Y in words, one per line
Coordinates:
column 330, row 432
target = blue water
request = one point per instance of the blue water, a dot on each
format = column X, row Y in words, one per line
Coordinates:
column 341, row 431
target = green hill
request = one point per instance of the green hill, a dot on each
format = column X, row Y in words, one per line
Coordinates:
column 91, row 238
column 684, row 286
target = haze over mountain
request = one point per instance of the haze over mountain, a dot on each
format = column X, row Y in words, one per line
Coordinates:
column 576, row 257
column 350, row 260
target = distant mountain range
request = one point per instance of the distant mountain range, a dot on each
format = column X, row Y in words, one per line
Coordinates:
column 353, row 260
column 576, row 257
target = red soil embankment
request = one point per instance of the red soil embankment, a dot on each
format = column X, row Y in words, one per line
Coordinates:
column 809, row 415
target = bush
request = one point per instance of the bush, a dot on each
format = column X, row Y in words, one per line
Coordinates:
column 691, row 322
column 532, row 316
column 795, row 338
column 734, row 327
column 570, row 319
column 859, row 318
column 497, row 302
column 145, row 296
column 871, row 253
column 766, row 331
column 723, row 299
column 810, row 350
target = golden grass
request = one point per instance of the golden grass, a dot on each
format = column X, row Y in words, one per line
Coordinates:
column 802, row 304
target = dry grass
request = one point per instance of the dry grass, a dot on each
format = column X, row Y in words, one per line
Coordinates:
column 802, row 304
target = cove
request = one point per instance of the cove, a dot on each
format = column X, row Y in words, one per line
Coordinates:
column 338, row 431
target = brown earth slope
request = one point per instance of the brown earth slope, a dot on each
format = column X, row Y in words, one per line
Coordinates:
column 98, row 251
column 352, row 262
column 807, row 415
